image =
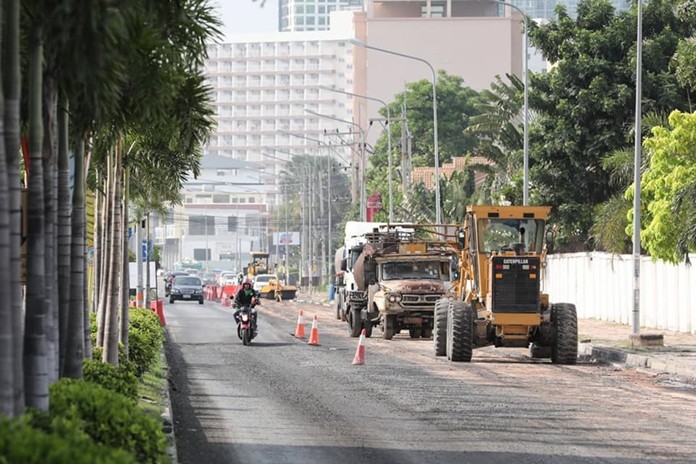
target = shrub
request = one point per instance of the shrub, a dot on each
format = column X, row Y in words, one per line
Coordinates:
column 145, row 339
column 22, row 444
column 115, row 378
column 108, row 418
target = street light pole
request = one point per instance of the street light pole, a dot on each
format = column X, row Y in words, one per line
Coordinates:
column 363, row 211
column 637, row 161
column 389, row 141
column 436, row 148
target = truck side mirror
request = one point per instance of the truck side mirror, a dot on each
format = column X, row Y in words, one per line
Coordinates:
column 549, row 241
column 461, row 238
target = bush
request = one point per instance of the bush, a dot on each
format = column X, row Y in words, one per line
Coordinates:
column 115, row 378
column 108, row 418
column 145, row 339
column 22, row 444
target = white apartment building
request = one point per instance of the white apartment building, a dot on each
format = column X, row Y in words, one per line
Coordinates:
column 264, row 83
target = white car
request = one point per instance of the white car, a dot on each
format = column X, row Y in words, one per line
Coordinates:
column 262, row 280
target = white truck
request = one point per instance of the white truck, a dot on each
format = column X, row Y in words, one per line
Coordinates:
column 350, row 300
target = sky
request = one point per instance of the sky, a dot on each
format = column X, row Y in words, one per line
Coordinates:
column 247, row 16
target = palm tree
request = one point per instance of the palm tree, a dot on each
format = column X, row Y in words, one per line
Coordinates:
column 11, row 89
column 35, row 350
column 6, row 336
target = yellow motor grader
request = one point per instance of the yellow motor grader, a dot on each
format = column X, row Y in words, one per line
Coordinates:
column 498, row 297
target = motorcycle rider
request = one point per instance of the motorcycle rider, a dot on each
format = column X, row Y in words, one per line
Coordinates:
column 246, row 296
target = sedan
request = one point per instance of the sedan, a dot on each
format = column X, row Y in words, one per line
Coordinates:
column 186, row 288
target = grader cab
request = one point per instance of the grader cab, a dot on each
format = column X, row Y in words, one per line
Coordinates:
column 499, row 299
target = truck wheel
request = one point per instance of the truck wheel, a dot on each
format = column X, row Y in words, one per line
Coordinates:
column 426, row 332
column 368, row 328
column 389, row 327
column 355, row 323
column 460, row 335
column 539, row 352
column 338, row 309
column 564, row 317
column 440, row 334
column 414, row 332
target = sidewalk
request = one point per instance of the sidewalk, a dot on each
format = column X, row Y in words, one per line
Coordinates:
column 607, row 342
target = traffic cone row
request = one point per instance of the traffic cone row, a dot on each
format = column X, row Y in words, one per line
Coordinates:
column 359, row 358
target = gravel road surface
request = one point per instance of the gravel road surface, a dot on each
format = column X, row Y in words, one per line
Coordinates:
column 283, row 401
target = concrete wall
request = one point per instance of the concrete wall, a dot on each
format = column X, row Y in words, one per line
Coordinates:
column 601, row 287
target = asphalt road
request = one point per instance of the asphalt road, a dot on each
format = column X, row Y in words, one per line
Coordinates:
column 283, row 401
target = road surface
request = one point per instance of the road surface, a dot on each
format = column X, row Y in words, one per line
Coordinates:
column 283, row 401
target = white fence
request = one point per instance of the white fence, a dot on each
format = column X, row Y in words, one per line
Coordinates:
column 601, row 286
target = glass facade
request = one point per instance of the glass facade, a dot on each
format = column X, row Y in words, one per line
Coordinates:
column 309, row 15
column 545, row 9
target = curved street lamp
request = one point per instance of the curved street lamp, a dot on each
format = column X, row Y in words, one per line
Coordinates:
column 436, row 148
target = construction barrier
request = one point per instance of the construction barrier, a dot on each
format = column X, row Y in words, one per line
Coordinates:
column 157, row 306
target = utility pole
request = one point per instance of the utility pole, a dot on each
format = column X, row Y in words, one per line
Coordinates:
column 147, row 262
column 139, row 262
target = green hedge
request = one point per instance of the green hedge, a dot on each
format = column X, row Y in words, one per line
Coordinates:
column 108, row 418
column 22, row 444
column 120, row 379
column 145, row 339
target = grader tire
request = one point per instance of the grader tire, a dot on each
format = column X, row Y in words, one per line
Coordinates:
column 440, row 329
column 460, row 332
column 565, row 319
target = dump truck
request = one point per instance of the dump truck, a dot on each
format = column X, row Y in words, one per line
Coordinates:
column 401, row 272
column 499, row 297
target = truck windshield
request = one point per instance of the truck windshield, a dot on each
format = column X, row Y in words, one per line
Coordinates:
column 523, row 235
column 411, row 270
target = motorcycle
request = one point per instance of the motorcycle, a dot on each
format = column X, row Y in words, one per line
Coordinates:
column 246, row 327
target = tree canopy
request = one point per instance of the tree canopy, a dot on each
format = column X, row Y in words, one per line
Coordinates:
column 585, row 104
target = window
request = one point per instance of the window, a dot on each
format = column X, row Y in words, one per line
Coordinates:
column 252, row 200
column 202, row 225
column 232, row 223
column 221, row 198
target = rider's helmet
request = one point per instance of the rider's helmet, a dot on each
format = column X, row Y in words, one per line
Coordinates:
column 246, row 281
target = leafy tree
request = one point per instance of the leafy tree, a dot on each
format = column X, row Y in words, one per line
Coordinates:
column 456, row 106
column 585, row 104
column 668, row 189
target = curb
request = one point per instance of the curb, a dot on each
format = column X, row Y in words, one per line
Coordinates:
column 618, row 356
column 168, row 416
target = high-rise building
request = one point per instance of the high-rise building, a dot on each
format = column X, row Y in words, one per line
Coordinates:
column 310, row 15
column 546, row 9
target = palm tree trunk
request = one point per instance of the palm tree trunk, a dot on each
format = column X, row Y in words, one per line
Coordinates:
column 75, row 344
column 97, row 248
column 111, row 329
column 51, row 294
column 125, row 277
column 11, row 86
column 64, row 210
column 105, row 272
column 6, row 336
column 35, row 359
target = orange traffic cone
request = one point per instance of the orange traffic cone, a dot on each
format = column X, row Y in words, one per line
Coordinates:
column 314, row 333
column 299, row 332
column 359, row 358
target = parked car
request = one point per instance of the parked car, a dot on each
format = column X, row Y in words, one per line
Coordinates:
column 186, row 288
column 169, row 277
